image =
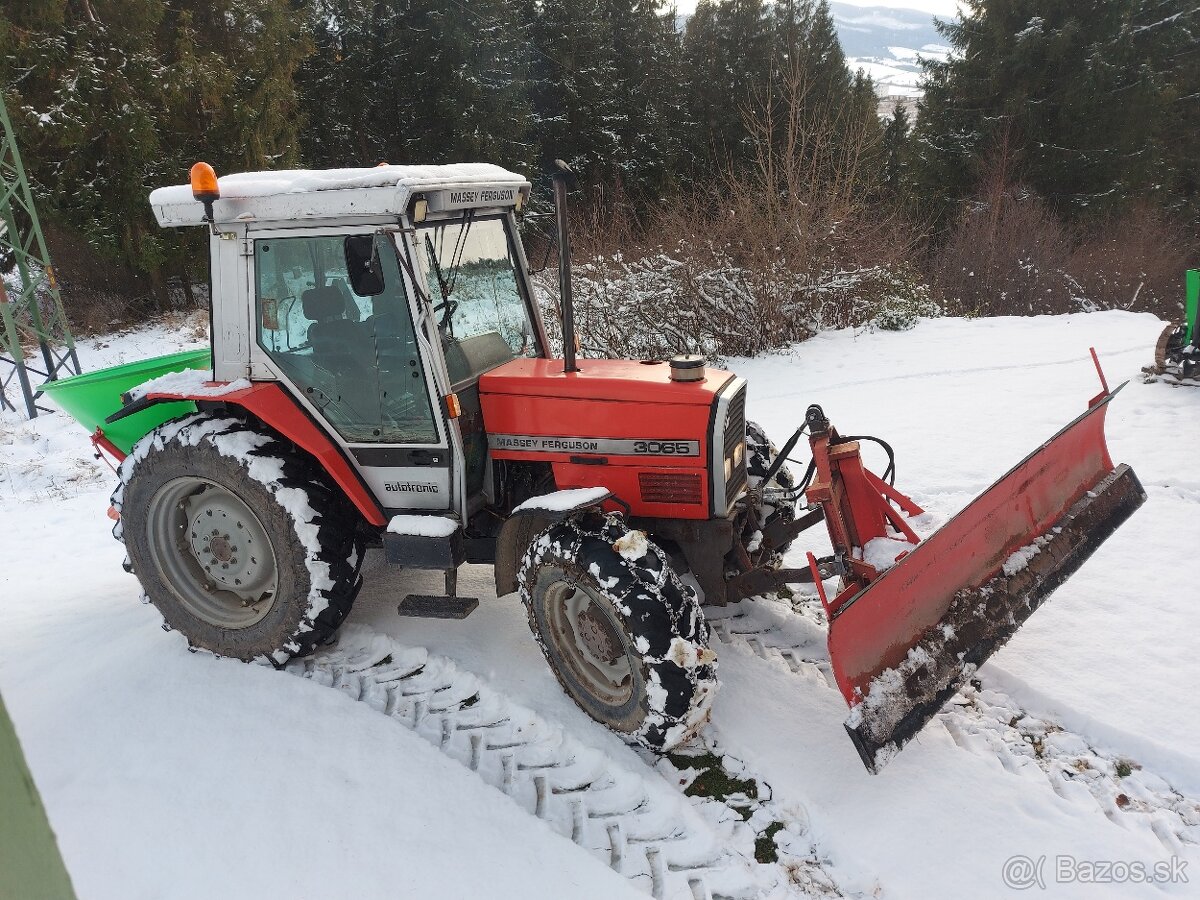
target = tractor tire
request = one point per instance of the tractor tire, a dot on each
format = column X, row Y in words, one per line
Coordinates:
column 776, row 504
column 237, row 539
column 1169, row 348
column 625, row 637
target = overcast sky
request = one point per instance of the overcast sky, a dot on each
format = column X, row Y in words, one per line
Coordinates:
column 943, row 8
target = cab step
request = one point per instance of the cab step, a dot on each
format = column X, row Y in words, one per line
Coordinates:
column 432, row 543
column 431, row 606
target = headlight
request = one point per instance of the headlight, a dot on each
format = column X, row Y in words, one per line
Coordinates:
column 737, row 453
column 728, row 469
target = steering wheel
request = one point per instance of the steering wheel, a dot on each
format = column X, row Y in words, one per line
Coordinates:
column 448, row 308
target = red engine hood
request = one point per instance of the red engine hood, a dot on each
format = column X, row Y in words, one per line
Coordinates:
column 602, row 379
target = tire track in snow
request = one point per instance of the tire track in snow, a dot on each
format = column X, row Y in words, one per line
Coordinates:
column 981, row 370
column 984, row 720
column 1149, row 376
column 668, row 845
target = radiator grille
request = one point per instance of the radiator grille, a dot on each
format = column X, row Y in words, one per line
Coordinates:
column 735, row 434
column 670, row 487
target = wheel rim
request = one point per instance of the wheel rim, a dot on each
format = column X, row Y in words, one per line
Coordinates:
column 213, row 552
column 589, row 642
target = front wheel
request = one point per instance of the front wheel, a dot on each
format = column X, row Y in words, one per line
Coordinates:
column 623, row 635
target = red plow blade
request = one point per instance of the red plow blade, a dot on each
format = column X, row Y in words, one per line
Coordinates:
column 903, row 645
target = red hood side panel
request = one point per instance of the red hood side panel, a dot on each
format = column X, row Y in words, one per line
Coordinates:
column 616, row 424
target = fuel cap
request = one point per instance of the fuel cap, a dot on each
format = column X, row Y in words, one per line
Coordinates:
column 687, row 367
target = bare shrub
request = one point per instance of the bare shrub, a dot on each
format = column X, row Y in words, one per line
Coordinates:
column 1007, row 255
column 768, row 256
column 1134, row 262
column 99, row 295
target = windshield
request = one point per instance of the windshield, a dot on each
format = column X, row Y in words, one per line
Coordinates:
column 471, row 277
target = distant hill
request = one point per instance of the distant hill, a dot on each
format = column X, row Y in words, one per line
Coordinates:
column 885, row 43
column 868, row 31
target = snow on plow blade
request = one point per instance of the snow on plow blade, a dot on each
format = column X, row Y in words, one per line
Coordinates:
column 905, row 644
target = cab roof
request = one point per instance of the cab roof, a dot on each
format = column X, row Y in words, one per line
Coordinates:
column 380, row 192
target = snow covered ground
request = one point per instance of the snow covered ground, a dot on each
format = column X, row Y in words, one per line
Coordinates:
column 170, row 774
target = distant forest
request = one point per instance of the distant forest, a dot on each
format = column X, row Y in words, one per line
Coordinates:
column 1050, row 166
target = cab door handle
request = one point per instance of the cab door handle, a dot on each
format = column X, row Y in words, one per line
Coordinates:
column 425, row 457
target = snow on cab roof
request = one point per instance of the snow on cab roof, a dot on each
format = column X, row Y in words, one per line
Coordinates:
column 332, row 193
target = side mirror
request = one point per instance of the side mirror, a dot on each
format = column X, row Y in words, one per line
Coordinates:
column 363, row 266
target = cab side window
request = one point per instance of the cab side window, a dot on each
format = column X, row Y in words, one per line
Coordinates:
column 354, row 357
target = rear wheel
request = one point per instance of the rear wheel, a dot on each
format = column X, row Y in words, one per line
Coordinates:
column 623, row 635
column 1170, row 345
column 237, row 540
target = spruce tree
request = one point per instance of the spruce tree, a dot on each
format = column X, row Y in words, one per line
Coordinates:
column 1085, row 101
column 727, row 52
column 417, row 81
column 895, row 150
column 112, row 98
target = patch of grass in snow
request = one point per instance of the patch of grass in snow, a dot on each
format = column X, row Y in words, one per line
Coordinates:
column 714, row 782
column 1124, row 769
column 764, row 844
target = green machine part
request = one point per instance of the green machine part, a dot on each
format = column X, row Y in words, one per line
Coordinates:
column 1193, row 301
column 31, row 866
column 94, row 396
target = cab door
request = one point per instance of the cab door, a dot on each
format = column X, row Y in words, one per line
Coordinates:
column 333, row 320
column 480, row 314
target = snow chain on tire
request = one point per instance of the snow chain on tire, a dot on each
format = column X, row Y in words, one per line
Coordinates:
column 312, row 529
column 661, row 625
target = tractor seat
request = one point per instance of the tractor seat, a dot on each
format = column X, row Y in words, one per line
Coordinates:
column 336, row 341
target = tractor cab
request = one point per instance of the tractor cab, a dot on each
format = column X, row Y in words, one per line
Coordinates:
column 377, row 298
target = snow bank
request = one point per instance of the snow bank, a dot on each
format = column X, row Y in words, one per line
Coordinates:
column 338, row 802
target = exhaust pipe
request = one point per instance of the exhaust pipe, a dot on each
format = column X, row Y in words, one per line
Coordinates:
column 561, row 177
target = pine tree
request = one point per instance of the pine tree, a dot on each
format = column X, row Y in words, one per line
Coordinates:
column 1084, row 100
column 577, row 112
column 727, row 51
column 113, row 98
column 417, row 81
column 647, row 108
column 895, row 150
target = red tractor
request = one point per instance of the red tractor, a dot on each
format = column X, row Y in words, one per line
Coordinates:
column 381, row 376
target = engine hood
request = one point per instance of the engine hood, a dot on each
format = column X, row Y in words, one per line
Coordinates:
column 602, row 379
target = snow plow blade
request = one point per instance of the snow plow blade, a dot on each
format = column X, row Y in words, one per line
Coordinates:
column 904, row 645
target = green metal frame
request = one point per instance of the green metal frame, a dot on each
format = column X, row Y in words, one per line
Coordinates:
column 35, row 312
column 1193, row 301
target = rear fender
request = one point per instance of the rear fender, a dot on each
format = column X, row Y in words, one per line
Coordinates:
column 278, row 410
